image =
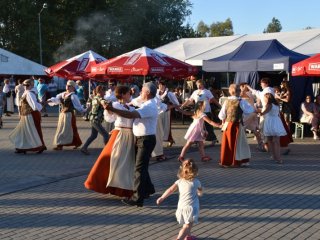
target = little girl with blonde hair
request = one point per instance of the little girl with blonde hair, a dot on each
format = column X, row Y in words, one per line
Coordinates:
column 189, row 190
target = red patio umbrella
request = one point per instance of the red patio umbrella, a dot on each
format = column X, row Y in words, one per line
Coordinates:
column 142, row 62
column 76, row 67
column 307, row 67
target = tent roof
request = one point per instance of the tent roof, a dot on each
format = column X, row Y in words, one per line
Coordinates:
column 12, row 64
column 187, row 48
column 195, row 51
column 266, row 55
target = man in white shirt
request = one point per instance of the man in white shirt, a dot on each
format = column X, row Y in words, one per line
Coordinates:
column 110, row 96
column 264, row 83
column 144, row 129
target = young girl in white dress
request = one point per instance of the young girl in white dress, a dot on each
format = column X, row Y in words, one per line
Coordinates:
column 189, row 190
column 272, row 126
column 196, row 131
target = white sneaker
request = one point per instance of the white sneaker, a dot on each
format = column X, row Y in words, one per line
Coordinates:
column 315, row 137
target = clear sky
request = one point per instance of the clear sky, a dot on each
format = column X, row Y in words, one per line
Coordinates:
column 253, row 16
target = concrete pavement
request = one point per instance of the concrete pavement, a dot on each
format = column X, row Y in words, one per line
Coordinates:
column 42, row 196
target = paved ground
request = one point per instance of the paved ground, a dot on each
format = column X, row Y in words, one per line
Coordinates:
column 42, row 196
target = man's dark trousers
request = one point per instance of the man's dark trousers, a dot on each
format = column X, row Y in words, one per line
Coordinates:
column 142, row 182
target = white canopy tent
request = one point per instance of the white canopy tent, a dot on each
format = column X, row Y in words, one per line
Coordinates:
column 195, row 50
column 12, row 64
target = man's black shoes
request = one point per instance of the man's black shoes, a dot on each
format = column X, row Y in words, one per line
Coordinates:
column 131, row 203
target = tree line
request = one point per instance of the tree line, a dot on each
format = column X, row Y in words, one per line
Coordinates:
column 108, row 27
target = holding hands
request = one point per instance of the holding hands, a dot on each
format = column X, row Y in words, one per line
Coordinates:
column 109, row 106
column 160, row 200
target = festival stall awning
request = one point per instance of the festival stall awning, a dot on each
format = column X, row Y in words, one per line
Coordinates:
column 307, row 67
column 267, row 55
column 76, row 67
column 13, row 64
column 142, row 62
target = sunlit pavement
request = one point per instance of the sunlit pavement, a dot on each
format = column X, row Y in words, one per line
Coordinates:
column 42, row 195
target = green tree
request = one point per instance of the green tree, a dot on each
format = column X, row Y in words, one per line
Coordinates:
column 274, row 26
column 202, row 29
column 221, row 28
column 109, row 27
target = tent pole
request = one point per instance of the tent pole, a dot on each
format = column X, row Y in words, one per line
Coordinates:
column 228, row 80
column 183, row 95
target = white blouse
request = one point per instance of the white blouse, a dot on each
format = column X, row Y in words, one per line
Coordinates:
column 74, row 98
column 244, row 105
column 32, row 100
column 118, row 121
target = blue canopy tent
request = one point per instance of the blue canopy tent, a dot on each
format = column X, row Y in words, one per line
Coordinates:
column 262, row 56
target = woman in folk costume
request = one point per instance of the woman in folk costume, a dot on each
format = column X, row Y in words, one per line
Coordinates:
column 235, row 151
column 169, row 98
column 158, row 149
column 113, row 171
column 67, row 132
column 27, row 136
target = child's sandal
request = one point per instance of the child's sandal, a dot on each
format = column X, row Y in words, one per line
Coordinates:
column 205, row 159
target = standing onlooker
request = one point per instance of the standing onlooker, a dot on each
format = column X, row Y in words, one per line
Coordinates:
column 235, row 151
column 89, row 105
column 52, row 88
column 35, row 81
column 202, row 94
column 67, row 132
column 96, row 118
column 317, row 109
column 27, row 136
column 9, row 107
column 42, row 89
column 113, row 171
column 134, row 90
column 80, row 93
column 286, row 102
column 197, row 131
column 285, row 116
column 189, row 190
column 19, row 90
column 144, row 128
column 272, row 126
column 2, row 104
column 191, row 83
column 178, row 93
column 308, row 115
column 110, row 97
